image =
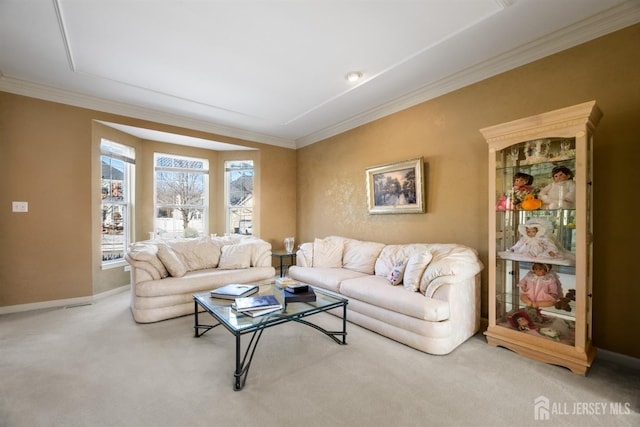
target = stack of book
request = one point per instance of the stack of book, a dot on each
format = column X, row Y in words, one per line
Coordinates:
column 284, row 281
column 257, row 305
column 299, row 292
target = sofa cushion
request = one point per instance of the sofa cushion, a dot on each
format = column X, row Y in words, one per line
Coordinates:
column 235, row 256
column 375, row 290
column 197, row 254
column 397, row 273
column 327, row 253
column 323, row 277
column 415, row 267
column 171, row 261
column 361, row 256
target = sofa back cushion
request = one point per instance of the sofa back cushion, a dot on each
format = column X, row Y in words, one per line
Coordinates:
column 361, row 256
column 196, row 254
column 171, row 261
column 234, row 257
column 327, row 253
column 415, row 268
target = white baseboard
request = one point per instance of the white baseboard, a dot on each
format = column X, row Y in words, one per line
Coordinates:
column 69, row 302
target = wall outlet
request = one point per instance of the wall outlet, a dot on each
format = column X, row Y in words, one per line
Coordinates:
column 20, row 206
column 127, row 268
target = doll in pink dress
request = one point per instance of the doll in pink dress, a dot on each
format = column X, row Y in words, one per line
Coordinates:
column 540, row 287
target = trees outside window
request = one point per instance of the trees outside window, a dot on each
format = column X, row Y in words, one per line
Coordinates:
column 181, row 195
column 239, row 196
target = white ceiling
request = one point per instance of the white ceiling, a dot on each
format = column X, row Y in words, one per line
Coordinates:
column 274, row 71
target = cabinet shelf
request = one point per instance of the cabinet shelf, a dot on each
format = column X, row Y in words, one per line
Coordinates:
column 540, row 228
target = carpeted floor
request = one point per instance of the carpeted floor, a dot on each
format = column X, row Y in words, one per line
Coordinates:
column 94, row 366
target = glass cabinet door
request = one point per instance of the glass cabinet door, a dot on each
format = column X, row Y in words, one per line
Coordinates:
column 535, row 233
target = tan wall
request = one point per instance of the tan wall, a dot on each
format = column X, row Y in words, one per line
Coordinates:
column 331, row 174
column 49, row 157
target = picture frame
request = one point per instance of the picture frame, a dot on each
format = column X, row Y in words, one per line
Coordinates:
column 396, row 188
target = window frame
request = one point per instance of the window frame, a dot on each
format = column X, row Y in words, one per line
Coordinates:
column 157, row 206
column 228, row 170
column 125, row 154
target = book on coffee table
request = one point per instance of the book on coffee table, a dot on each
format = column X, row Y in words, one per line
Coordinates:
column 306, row 296
column 259, row 302
column 257, row 313
column 234, row 291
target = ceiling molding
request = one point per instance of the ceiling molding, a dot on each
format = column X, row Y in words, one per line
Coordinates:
column 612, row 20
column 63, row 34
column 49, row 93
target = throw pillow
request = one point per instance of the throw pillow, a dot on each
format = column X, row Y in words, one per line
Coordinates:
column 234, row 257
column 327, row 253
column 415, row 267
column 397, row 272
column 170, row 259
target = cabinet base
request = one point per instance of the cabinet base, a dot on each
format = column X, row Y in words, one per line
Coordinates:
column 578, row 364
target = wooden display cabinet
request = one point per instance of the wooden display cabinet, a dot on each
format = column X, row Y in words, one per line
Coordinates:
column 546, row 229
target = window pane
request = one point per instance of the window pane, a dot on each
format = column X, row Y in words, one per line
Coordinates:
column 113, row 232
column 180, row 195
column 239, row 181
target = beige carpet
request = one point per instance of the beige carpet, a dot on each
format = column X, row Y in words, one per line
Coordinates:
column 94, row 366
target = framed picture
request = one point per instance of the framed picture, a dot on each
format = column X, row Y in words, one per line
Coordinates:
column 396, row 188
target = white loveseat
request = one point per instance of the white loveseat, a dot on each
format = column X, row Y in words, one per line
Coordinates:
column 434, row 305
column 166, row 273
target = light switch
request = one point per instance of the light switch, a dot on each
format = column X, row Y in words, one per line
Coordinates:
column 20, row 206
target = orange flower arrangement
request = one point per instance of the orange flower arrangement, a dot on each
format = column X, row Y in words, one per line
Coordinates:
column 530, row 203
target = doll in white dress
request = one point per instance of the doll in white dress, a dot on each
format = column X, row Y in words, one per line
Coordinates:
column 561, row 193
column 537, row 244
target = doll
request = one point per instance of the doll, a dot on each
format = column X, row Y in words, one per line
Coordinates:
column 535, row 242
column 521, row 321
column 540, row 287
column 561, row 193
column 522, row 185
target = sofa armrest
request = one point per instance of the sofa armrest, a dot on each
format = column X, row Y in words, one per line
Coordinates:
column 146, row 271
column 451, row 264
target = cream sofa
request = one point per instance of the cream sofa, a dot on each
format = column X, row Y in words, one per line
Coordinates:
column 166, row 273
column 426, row 296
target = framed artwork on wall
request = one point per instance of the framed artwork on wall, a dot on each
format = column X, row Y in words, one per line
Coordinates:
column 396, row 188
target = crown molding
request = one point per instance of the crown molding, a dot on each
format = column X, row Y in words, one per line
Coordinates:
column 617, row 18
column 53, row 94
column 621, row 16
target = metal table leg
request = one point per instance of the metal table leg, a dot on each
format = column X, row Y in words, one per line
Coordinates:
column 242, row 366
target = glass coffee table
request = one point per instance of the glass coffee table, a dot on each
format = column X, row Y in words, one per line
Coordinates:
column 241, row 324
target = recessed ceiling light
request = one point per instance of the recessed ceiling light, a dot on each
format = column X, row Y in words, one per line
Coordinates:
column 354, row 76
